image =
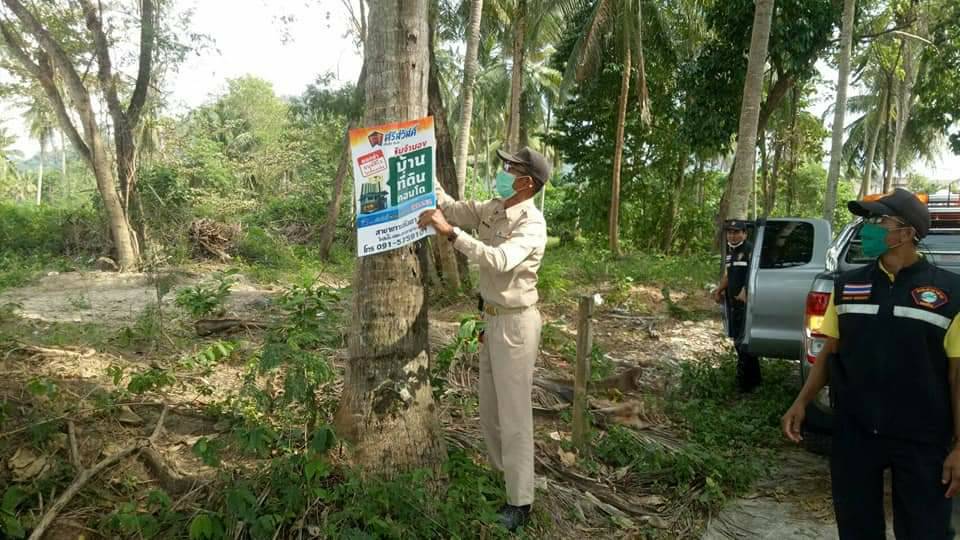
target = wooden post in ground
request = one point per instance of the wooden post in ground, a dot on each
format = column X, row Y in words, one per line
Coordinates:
column 584, row 347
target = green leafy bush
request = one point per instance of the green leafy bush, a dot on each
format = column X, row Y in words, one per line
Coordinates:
column 260, row 247
column 203, row 300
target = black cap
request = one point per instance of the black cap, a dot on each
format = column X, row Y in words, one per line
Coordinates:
column 899, row 203
column 535, row 164
column 735, row 225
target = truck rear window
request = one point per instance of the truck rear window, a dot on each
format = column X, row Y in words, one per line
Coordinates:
column 940, row 246
column 787, row 243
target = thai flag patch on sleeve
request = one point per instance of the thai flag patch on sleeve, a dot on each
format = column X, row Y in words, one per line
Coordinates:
column 857, row 291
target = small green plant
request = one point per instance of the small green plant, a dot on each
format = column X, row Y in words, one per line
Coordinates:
column 299, row 346
column 204, row 300
column 80, row 302
column 10, row 524
column 208, row 450
column 207, row 527
column 146, row 331
column 42, row 387
column 208, row 357
column 466, row 342
column 154, row 519
column 148, row 380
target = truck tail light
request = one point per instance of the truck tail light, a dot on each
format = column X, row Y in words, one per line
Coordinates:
column 817, row 303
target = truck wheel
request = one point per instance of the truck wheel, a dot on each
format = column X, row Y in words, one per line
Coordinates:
column 817, row 442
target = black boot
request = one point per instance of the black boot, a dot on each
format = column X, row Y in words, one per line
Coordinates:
column 748, row 370
column 513, row 517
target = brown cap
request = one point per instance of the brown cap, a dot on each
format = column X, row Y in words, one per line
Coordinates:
column 536, row 165
column 899, row 203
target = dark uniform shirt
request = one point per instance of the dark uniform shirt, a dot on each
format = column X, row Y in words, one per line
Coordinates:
column 891, row 372
column 738, row 270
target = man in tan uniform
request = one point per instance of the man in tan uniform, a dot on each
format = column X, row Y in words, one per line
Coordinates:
column 511, row 238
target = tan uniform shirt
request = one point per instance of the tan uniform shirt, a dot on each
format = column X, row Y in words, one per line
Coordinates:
column 508, row 250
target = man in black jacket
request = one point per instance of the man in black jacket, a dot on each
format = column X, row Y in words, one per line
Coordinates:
column 892, row 358
column 733, row 293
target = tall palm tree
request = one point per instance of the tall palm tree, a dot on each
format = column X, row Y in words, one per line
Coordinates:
column 743, row 171
column 41, row 123
column 7, row 153
column 470, row 64
column 624, row 19
column 840, row 109
column 520, row 26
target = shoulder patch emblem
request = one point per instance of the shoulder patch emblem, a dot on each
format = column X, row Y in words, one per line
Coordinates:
column 856, row 291
column 929, row 297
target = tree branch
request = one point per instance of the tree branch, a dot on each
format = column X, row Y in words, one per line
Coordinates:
column 896, row 28
column 104, row 65
column 148, row 32
column 74, row 85
column 43, row 72
column 88, row 474
column 774, row 97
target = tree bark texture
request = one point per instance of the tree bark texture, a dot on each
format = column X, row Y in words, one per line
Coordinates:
column 386, row 409
column 911, row 69
column 874, row 137
column 744, row 172
column 63, row 165
column 673, row 210
column 516, row 78
column 446, row 174
column 466, row 107
column 329, row 231
column 614, row 231
column 839, row 109
column 773, row 182
column 43, row 157
column 887, row 143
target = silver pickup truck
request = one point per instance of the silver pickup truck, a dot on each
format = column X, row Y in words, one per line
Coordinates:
column 794, row 264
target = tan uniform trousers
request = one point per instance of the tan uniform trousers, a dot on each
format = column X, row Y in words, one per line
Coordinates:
column 507, row 357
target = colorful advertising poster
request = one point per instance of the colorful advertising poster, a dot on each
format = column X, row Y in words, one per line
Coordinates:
column 393, row 172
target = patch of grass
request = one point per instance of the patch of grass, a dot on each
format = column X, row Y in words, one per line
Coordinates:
column 301, row 265
column 19, row 270
column 63, row 334
column 260, row 248
column 594, row 266
column 717, row 415
column 730, row 442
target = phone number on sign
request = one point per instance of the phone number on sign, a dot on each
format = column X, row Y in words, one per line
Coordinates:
column 397, row 242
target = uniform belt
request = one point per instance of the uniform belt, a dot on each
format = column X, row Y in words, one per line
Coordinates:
column 495, row 311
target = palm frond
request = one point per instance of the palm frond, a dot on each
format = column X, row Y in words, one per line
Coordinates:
column 586, row 52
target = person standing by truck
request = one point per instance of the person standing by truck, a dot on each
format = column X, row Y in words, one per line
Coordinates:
column 732, row 292
column 892, row 359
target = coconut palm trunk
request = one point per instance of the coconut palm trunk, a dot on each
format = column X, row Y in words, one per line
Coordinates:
column 516, row 80
column 840, row 109
column 614, row 231
column 743, row 174
column 386, row 410
column 43, row 157
column 878, row 120
column 470, row 64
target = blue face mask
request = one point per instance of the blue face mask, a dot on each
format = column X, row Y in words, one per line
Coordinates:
column 505, row 182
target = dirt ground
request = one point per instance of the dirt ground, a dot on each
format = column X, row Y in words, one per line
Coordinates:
column 793, row 502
